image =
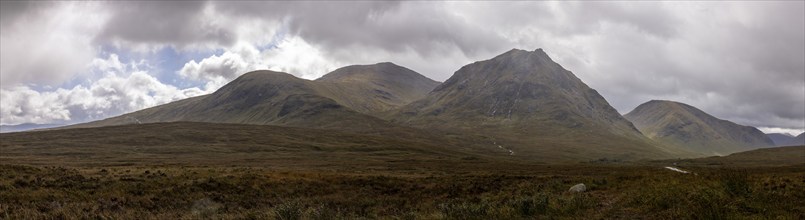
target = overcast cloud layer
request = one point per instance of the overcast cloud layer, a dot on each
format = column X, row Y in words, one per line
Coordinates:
column 67, row 62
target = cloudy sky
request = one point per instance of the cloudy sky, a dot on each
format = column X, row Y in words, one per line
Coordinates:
column 68, row 62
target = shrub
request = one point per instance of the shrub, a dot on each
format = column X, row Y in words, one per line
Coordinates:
column 531, row 206
column 288, row 211
column 465, row 210
column 735, row 183
column 708, row 204
column 575, row 204
column 322, row 213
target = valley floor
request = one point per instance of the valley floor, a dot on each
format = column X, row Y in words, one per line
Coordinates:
column 225, row 171
column 453, row 191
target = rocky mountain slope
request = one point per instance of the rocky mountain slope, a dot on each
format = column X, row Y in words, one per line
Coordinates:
column 526, row 100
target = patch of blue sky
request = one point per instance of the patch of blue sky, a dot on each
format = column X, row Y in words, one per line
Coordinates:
column 168, row 61
column 279, row 35
column 164, row 64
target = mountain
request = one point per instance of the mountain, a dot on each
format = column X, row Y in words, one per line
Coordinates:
column 689, row 128
column 780, row 139
column 258, row 97
column 25, row 127
column 372, row 89
column 345, row 98
column 525, row 100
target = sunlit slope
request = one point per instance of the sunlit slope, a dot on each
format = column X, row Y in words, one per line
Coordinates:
column 689, row 128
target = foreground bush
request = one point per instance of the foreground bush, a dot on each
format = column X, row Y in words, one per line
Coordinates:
column 247, row 193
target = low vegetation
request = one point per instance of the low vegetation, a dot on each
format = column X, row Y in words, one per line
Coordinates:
column 226, row 171
column 177, row 192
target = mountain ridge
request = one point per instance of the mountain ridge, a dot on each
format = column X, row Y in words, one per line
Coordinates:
column 259, row 97
column 520, row 103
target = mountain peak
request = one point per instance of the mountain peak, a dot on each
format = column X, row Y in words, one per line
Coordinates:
column 524, row 87
column 384, row 71
column 663, row 102
column 515, row 66
column 262, row 75
column 264, row 72
column 518, row 50
column 523, row 54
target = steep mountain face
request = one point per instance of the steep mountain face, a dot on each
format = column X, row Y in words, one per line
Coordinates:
column 526, row 99
column 780, row 139
column 372, row 89
column 687, row 127
column 259, row 97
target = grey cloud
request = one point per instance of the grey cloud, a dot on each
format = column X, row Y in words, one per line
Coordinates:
column 175, row 23
column 393, row 26
column 761, row 59
column 649, row 17
column 10, row 11
column 45, row 43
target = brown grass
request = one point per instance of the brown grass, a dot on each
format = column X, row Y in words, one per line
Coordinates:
column 178, row 171
column 160, row 192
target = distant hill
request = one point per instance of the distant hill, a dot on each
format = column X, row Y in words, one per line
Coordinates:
column 689, row 128
column 781, row 139
column 798, row 140
column 532, row 104
column 775, row 156
column 25, row 127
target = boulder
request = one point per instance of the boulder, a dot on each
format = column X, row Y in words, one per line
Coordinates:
column 578, row 188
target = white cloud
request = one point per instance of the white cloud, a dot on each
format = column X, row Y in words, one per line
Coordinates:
column 112, row 64
column 217, row 70
column 792, row 132
column 291, row 55
column 295, row 56
column 122, row 89
column 23, row 105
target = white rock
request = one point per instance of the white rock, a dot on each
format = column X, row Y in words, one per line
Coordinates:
column 578, row 188
column 676, row 169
